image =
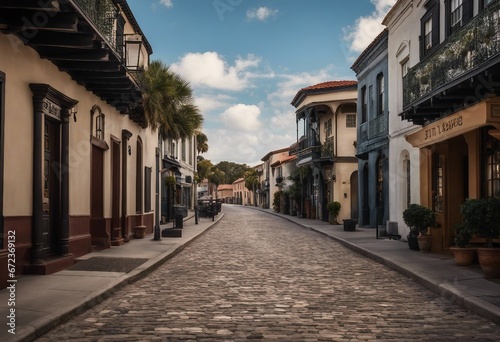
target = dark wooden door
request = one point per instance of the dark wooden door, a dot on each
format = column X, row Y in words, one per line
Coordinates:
column 97, row 222
column 115, row 190
column 51, row 188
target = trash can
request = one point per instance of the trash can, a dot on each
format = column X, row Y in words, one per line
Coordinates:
column 349, row 225
column 179, row 220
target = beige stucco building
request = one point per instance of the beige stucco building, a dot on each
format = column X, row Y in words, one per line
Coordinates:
column 78, row 172
column 326, row 147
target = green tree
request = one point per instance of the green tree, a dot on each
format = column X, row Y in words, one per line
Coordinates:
column 167, row 102
column 204, row 167
column 201, row 143
column 216, row 177
column 232, row 171
column 252, row 183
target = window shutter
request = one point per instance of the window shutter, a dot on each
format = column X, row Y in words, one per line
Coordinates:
column 467, row 11
column 435, row 26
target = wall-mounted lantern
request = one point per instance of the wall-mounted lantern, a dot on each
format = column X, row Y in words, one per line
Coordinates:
column 133, row 49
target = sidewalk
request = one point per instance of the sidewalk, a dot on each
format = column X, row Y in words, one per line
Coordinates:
column 43, row 302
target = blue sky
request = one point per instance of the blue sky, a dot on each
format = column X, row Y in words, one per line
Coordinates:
column 246, row 60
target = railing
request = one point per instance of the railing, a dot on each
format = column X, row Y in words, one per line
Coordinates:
column 474, row 44
column 327, row 150
column 378, row 126
column 102, row 14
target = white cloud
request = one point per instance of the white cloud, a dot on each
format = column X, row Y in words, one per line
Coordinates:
column 209, row 102
column 362, row 33
column 261, row 13
column 244, row 148
column 292, row 83
column 209, row 69
column 241, row 117
column 167, row 3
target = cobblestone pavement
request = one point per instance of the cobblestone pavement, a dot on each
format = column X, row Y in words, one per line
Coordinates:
column 257, row 276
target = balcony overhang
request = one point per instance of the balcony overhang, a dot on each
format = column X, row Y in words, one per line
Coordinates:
column 75, row 45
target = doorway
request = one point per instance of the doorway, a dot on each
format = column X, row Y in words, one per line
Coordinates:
column 51, row 188
column 99, row 236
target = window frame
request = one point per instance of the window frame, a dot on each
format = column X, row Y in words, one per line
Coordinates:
column 380, row 94
column 364, row 109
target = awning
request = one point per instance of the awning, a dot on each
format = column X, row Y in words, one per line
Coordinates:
column 486, row 113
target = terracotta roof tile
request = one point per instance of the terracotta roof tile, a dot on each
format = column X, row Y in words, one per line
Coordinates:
column 329, row 85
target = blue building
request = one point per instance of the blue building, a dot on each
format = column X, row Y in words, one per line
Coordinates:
column 371, row 70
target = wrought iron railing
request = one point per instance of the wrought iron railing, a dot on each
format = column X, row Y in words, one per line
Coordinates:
column 472, row 45
column 102, row 14
column 327, row 150
column 378, row 126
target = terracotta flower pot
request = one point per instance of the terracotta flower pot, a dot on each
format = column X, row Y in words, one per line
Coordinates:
column 489, row 260
column 463, row 255
column 424, row 243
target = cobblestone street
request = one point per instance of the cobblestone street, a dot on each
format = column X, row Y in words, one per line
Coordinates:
column 257, row 276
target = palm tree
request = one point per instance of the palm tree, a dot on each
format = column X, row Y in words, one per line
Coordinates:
column 252, row 183
column 201, row 143
column 167, row 102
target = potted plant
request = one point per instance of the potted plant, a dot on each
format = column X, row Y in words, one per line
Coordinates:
column 483, row 218
column 419, row 219
column 462, row 253
column 333, row 210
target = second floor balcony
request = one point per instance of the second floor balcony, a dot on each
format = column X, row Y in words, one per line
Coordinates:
column 310, row 150
column 87, row 40
column 459, row 72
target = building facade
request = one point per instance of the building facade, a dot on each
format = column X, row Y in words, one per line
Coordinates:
column 272, row 180
column 77, row 171
column 443, row 56
column 326, row 139
column 371, row 69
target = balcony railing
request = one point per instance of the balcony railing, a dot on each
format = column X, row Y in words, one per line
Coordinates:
column 102, row 15
column 473, row 45
column 327, row 150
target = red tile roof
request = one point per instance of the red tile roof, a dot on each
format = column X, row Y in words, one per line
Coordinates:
column 329, row 85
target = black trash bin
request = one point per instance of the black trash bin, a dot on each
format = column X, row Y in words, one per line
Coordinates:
column 179, row 220
column 349, row 225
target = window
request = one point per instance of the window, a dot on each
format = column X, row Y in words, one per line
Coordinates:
column 408, row 181
column 404, row 67
column 493, row 167
column 437, row 183
column 350, row 120
column 191, row 151
column 328, row 127
column 147, row 189
column 456, row 14
column 99, row 126
column 380, row 95
column 183, row 149
column 428, row 34
column 363, row 105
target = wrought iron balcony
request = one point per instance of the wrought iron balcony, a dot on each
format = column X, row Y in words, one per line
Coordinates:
column 458, row 58
column 310, row 150
column 102, row 15
column 83, row 39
